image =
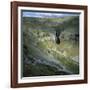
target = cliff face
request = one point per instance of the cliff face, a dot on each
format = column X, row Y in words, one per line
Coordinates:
column 41, row 55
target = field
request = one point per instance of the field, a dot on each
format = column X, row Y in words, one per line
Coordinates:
column 43, row 52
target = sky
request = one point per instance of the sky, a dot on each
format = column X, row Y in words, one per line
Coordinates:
column 47, row 14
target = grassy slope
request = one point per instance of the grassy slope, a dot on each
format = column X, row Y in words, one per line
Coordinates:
column 40, row 33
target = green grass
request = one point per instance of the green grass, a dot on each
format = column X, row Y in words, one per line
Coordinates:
column 35, row 35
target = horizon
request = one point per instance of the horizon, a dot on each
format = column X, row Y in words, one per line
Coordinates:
column 47, row 14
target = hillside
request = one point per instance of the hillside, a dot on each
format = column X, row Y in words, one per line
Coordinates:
column 42, row 56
